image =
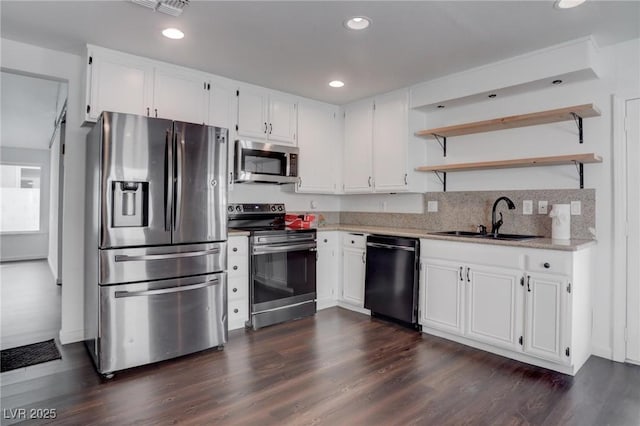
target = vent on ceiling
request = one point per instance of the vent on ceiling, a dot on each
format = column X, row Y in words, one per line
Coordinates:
column 170, row 7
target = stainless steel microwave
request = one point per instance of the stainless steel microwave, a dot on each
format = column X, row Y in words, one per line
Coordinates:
column 265, row 162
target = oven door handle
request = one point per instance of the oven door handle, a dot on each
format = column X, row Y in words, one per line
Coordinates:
column 283, row 248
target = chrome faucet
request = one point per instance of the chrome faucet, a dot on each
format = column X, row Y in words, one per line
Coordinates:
column 496, row 224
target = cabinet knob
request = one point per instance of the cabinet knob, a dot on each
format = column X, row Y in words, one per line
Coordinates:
column 547, row 265
column 235, row 290
column 325, row 240
column 235, row 311
column 235, row 249
column 235, row 268
column 353, row 242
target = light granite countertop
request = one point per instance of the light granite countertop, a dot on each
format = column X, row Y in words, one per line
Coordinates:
column 539, row 243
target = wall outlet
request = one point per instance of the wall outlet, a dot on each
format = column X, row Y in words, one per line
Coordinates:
column 543, row 207
column 432, row 206
column 576, row 208
column 527, row 207
column 313, row 205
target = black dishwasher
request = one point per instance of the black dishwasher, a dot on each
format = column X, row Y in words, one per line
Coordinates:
column 391, row 278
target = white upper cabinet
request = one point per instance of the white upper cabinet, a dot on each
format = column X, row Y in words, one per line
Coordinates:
column 358, row 141
column 117, row 82
column 180, row 95
column 265, row 115
column 379, row 155
column 320, row 148
column 222, row 96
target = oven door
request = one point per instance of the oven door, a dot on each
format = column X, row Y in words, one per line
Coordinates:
column 260, row 162
column 282, row 274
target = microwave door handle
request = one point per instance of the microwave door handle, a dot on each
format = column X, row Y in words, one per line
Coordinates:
column 168, row 180
column 179, row 169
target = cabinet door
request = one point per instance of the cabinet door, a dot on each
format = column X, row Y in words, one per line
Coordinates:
column 221, row 102
column 390, row 139
column 119, row 84
column 358, row 134
column 283, row 119
column 252, row 114
column 319, row 144
column 546, row 301
column 441, row 296
column 494, row 301
column 353, row 266
column 180, row 95
column 327, row 270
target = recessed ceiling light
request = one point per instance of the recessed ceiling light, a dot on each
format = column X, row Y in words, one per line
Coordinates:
column 173, row 33
column 556, row 82
column 568, row 4
column 357, row 23
column 336, row 83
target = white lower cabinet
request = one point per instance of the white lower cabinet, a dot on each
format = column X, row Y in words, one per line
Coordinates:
column 528, row 304
column 327, row 269
column 237, row 281
column 353, row 269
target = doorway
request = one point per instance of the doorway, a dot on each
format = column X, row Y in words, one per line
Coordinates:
column 632, row 128
column 31, row 161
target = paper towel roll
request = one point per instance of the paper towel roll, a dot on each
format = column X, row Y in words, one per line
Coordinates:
column 560, row 222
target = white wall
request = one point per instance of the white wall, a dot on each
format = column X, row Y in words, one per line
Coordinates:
column 54, row 167
column 25, row 58
column 620, row 75
column 28, row 245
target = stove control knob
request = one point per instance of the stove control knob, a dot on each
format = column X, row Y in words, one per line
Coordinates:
column 238, row 208
column 280, row 208
column 230, row 209
column 273, row 208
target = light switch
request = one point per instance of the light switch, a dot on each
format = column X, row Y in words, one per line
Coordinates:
column 576, row 208
column 542, row 207
column 527, row 207
column 432, row 206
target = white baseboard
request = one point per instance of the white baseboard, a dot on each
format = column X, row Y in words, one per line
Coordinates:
column 347, row 305
column 325, row 303
column 602, row 351
column 71, row 336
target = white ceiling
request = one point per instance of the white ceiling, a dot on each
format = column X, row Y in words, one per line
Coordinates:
column 29, row 108
column 299, row 46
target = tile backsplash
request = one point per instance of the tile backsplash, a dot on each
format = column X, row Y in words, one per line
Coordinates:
column 465, row 210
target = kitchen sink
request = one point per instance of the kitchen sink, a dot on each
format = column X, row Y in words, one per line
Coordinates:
column 503, row 237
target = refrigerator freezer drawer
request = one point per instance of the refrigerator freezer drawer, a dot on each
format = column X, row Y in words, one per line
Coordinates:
column 153, row 321
column 155, row 263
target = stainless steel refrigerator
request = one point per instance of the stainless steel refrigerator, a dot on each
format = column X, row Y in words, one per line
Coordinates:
column 155, row 240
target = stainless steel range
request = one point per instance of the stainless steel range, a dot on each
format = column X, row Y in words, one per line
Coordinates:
column 282, row 282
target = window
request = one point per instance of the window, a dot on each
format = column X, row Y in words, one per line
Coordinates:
column 19, row 198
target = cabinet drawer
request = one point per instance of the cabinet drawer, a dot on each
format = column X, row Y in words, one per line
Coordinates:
column 238, row 246
column 237, row 266
column 354, row 240
column 238, row 311
column 548, row 261
column 326, row 239
column 238, row 289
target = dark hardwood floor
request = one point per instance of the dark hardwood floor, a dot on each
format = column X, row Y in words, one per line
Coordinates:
column 338, row 368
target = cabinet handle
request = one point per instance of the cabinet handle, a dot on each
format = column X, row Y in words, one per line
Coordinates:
column 369, row 181
column 461, row 273
column 325, row 240
column 235, row 311
column 299, row 182
column 547, row 265
column 353, row 242
column 235, row 268
column 148, row 111
column 528, row 283
column 235, row 249
column 271, row 128
column 468, row 279
column 265, row 127
column 405, row 179
column 156, row 111
column 363, row 257
column 235, row 290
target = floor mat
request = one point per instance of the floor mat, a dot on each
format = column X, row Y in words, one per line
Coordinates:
column 24, row 356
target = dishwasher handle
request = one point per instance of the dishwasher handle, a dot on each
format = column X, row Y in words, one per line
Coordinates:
column 390, row 246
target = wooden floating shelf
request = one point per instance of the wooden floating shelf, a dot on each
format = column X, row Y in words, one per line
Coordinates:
column 513, row 121
column 515, row 163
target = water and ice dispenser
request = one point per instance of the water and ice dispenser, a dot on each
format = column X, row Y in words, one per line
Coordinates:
column 130, row 203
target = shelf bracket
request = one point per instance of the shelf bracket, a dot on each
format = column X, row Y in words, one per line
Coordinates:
column 580, row 169
column 442, row 179
column 442, row 143
column 578, row 121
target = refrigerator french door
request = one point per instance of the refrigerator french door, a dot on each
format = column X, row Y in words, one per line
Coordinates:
column 155, row 240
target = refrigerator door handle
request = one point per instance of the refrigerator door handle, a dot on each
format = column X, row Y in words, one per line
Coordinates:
column 178, row 188
column 120, row 294
column 127, row 258
column 168, row 181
